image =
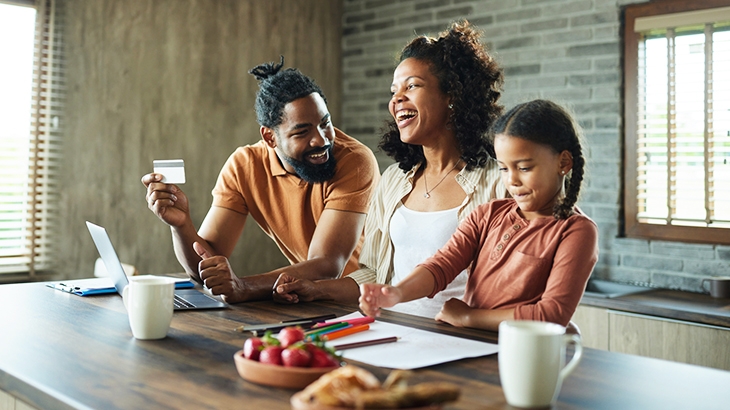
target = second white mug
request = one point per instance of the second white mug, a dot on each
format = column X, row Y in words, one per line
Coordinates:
column 148, row 300
column 532, row 361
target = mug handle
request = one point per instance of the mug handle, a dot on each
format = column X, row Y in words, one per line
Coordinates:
column 572, row 339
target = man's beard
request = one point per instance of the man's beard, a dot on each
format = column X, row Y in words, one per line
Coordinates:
column 313, row 173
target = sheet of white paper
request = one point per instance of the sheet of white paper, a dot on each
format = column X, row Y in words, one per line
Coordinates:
column 416, row 348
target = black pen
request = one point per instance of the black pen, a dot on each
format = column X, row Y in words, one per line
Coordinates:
column 275, row 327
column 320, row 318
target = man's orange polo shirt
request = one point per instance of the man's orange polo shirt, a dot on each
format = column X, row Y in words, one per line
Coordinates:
column 287, row 208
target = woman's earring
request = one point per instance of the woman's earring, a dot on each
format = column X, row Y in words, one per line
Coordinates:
column 451, row 106
column 562, row 172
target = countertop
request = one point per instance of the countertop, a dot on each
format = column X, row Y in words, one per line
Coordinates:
column 669, row 304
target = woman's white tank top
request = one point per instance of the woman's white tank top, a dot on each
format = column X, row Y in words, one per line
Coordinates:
column 416, row 236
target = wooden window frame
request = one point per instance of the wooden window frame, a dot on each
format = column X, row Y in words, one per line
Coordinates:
column 632, row 227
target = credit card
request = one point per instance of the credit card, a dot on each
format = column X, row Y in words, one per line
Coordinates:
column 172, row 170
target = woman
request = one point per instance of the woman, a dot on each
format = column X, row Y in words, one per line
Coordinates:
column 445, row 96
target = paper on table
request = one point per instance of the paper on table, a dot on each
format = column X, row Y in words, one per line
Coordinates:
column 416, row 348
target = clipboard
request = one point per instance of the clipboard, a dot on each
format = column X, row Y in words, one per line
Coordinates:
column 101, row 286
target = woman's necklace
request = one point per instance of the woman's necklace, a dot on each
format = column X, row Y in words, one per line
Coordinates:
column 427, row 195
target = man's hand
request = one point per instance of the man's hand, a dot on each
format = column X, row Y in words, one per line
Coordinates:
column 374, row 296
column 218, row 277
column 167, row 201
column 454, row 312
column 289, row 289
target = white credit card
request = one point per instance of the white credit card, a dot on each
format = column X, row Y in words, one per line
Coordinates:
column 172, row 170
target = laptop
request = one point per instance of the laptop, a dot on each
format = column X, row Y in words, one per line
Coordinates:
column 185, row 299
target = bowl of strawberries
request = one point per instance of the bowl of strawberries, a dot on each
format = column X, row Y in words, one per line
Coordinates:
column 288, row 360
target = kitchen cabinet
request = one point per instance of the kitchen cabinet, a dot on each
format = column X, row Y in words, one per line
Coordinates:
column 593, row 324
column 669, row 339
column 651, row 336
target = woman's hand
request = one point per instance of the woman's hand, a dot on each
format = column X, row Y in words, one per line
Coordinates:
column 374, row 296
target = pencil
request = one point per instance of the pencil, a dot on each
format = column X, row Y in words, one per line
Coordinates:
column 366, row 343
column 320, row 318
column 356, row 321
column 345, row 332
column 319, row 330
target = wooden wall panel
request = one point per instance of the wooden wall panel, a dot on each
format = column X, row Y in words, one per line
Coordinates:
column 154, row 79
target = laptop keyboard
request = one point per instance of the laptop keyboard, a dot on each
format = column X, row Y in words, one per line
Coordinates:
column 181, row 303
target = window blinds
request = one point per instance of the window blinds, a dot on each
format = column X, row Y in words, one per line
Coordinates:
column 683, row 135
column 28, row 206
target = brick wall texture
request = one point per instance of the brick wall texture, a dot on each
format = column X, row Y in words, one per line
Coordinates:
column 568, row 51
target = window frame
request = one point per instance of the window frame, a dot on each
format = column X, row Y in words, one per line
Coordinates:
column 632, row 227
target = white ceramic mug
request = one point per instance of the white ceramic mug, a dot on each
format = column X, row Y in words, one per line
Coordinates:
column 148, row 300
column 532, row 361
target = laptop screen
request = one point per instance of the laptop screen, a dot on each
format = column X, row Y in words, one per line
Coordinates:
column 109, row 256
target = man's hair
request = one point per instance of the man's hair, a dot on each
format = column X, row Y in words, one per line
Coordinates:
column 278, row 88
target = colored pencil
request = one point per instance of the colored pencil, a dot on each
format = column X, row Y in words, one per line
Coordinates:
column 366, row 343
column 354, row 322
column 319, row 330
column 345, row 332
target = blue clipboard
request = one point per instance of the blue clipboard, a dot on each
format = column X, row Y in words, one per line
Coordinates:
column 90, row 291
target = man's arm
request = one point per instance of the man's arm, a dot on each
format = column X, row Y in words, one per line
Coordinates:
column 218, row 235
column 332, row 244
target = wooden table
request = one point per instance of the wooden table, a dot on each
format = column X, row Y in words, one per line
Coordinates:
column 61, row 351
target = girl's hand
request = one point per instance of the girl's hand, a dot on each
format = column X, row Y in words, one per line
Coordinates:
column 374, row 296
column 455, row 312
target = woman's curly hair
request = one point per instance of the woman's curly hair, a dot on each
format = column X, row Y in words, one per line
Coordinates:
column 471, row 79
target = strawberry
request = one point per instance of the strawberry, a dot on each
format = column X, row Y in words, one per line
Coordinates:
column 271, row 355
column 295, row 356
column 269, row 339
column 252, row 348
column 320, row 358
column 290, row 335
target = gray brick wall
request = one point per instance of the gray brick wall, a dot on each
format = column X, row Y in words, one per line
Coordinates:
column 564, row 50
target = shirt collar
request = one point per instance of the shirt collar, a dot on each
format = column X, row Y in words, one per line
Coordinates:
column 277, row 169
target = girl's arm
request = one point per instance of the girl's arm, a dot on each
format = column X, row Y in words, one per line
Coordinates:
column 415, row 286
column 457, row 313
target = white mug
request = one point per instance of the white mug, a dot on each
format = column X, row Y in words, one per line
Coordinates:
column 532, row 361
column 148, row 300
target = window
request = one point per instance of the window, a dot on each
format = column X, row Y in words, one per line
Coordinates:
column 677, row 121
column 30, row 104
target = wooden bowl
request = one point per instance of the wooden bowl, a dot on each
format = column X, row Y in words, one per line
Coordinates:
column 277, row 376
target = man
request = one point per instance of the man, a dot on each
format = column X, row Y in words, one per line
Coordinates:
column 306, row 184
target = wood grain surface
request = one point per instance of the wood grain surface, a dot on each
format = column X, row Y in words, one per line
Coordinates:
column 64, row 351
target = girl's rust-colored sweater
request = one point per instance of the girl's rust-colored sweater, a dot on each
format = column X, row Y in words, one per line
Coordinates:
column 539, row 267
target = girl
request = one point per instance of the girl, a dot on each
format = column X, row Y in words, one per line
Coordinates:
column 532, row 253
